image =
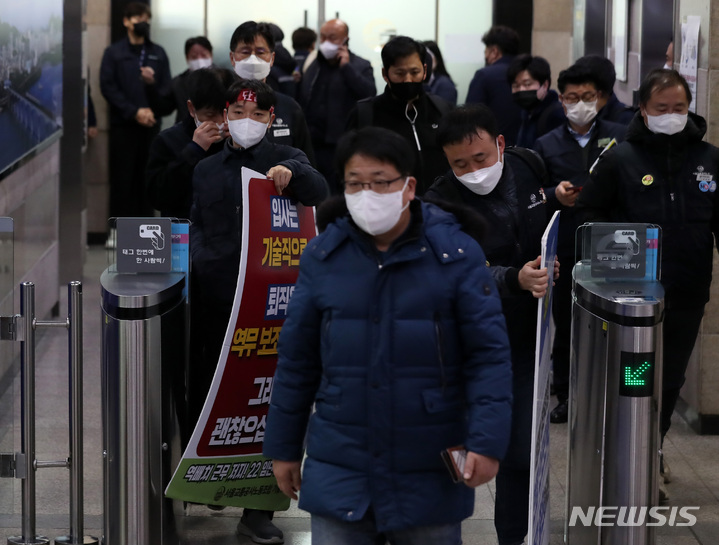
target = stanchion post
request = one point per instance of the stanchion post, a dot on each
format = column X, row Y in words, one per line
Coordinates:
column 74, row 324
column 27, row 404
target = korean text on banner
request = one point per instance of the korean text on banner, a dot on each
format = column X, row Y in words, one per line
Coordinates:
column 223, row 463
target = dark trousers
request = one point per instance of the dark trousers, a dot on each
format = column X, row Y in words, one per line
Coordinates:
column 562, row 314
column 325, row 157
column 681, row 327
column 129, row 150
column 511, row 507
column 210, row 325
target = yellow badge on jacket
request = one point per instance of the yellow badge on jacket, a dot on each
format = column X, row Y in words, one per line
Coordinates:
column 648, row 179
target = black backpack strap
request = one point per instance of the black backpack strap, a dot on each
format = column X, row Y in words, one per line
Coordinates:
column 532, row 159
column 445, row 189
column 365, row 113
column 441, row 105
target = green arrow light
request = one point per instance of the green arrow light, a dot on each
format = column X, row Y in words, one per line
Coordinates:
column 632, row 378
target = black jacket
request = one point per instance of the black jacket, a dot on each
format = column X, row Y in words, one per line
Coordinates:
column 328, row 93
column 172, row 160
column 669, row 181
column 290, row 127
column 546, row 116
column 516, row 216
column 120, row 81
column 489, row 86
column 217, row 209
column 389, row 112
column 178, row 98
column 616, row 111
column 566, row 160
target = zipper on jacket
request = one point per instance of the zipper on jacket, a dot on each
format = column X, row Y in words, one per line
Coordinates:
column 412, row 121
column 440, row 344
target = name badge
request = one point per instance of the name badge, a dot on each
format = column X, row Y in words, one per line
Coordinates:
column 602, row 142
column 281, row 132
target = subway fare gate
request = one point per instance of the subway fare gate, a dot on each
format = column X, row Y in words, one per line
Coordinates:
column 615, row 385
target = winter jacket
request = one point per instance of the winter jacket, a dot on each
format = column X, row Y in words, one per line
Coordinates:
column 215, row 233
column 403, row 354
column 328, row 93
column 489, row 86
column 290, row 127
column 172, row 160
column 390, row 113
column 122, row 86
column 443, row 87
column 670, row 181
column 616, row 111
column 547, row 115
column 516, row 215
column 566, row 160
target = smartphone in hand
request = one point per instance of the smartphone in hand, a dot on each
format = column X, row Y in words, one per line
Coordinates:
column 455, row 458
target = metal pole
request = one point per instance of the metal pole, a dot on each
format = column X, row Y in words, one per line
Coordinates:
column 320, row 14
column 27, row 409
column 27, row 403
column 74, row 298
column 74, row 319
column 204, row 19
column 436, row 22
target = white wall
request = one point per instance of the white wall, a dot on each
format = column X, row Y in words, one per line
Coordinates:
column 458, row 29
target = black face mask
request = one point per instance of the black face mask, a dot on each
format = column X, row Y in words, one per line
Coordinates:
column 141, row 30
column 526, row 99
column 406, row 91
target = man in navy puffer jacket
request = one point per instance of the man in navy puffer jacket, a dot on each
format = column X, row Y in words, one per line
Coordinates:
column 395, row 333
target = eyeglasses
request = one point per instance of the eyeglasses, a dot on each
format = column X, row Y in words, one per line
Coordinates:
column 379, row 186
column 573, row 98
column 245, row 52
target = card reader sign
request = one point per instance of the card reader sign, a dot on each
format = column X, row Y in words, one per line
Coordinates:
column 144, row 245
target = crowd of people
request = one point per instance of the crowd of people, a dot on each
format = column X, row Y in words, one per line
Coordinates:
column 434, row 347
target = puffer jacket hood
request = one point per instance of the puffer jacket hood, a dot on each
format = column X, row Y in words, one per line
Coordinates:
column 471, row 221
column 638, row 132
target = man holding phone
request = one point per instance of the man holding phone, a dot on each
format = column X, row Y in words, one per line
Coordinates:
column 569, row 151
column 332, row 84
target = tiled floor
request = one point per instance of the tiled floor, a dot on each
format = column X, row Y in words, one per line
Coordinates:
column 694, row 459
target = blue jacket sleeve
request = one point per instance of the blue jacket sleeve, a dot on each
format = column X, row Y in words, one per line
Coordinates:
column 297, row 378
column 476, row 93
column 487, row 367
column 446, row 90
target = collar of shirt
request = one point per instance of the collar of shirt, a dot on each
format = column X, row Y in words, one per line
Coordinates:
column 231, row 152
column 582, row 139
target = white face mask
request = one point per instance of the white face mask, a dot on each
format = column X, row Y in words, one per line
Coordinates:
column 376, row 213
column 582, row 113
column 484, row 180
column 196, row 64
column 252, row 68
column 246, row 132
column 329, row 50
column 667, row 123
column 220, row 126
